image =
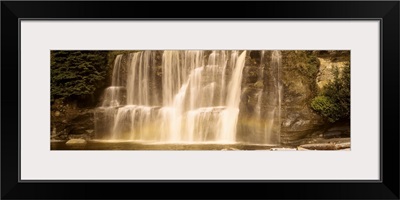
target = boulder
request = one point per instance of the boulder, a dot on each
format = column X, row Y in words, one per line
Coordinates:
column 76, row 142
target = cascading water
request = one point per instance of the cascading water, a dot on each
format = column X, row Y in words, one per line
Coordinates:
column 188, row 97
column 259, row 117
column 273, row 112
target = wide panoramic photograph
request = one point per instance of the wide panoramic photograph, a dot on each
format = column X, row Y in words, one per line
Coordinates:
column 270, row 100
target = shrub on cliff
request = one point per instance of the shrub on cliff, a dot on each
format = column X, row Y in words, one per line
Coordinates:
column 77, row 74
column 334, row 100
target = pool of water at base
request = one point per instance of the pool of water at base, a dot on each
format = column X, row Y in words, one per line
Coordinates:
column 134, row 145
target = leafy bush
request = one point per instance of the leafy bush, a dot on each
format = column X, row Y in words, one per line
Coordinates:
column 77, row 74
column 334, row 100
column 310, row 66
column 326, row 107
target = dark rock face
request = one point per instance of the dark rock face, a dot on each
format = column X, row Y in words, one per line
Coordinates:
column 298, row 122
column 298, row 82
column 70, row 122
column 302, row 75
column 258, row 120
column 337, row 130
column 82, row 125
column 298, row 77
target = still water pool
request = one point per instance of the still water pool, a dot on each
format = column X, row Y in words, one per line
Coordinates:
column 130, row 145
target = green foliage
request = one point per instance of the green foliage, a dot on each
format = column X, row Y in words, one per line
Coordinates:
column 77, row 74
column 326, row 107
column 309, row 67
column 304, row 62
column 334, row 100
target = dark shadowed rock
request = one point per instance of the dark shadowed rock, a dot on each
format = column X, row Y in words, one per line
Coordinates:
column 79, row 124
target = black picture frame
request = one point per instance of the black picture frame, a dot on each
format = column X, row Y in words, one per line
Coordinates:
column 386, row 11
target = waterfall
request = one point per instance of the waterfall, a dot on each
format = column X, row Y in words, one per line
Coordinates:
column 260, row 114
column 187, row 97
column 272, row 122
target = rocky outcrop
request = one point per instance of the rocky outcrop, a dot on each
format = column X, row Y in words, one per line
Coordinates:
column 82, row 125
column 258, row 120
column 326, row 71
column 301, row 75
column 70, row 122
column 337, row 130
column 299, row 70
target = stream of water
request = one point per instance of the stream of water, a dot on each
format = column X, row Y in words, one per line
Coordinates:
column 190, row 97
